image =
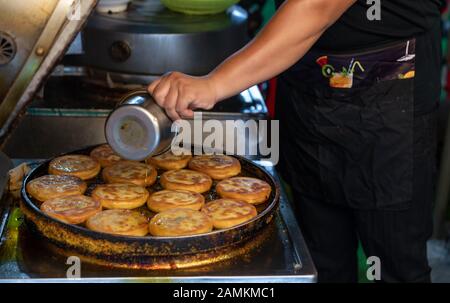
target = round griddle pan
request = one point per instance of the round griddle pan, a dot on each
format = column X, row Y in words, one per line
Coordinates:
column 144, row 252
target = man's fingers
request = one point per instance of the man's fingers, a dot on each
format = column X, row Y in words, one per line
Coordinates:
column 161, row 91
column 180, row 94
column 166, row 96
column 187, row 113
column 170, row 102
column 201, row 105
column 152, row 86
column 172, row 113
column 183, row 101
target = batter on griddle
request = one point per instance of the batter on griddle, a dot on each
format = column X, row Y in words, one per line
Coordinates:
column 180, row 222
column 81, row 166
column 245, row 189
column 130, row 172
column 54, row 186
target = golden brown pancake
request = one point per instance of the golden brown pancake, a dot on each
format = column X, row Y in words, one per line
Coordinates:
column 119, row 222
column 226, row 213
column 104, row 155
column 71, row 209
column 179, row 222
column 130, row 172
column 218, row 167
column 245, row 189
column 81, row 166
column 169, row 161
column 186, row 180
column 54, row 186
column 121, row 196
column 169, row 199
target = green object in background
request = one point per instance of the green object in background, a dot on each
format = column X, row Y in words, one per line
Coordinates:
column 15, row 219
column 268, row 11
column 445, row 51
column 362, row 266
column 199, row 7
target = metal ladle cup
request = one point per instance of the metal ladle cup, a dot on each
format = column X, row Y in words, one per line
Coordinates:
column 139, row 128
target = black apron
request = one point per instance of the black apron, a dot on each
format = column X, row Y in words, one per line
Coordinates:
column 347, row 126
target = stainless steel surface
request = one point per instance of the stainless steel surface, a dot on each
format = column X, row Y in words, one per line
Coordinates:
column 116, row 79
column 282, row 258
column 139, row 127
column 149, row 39
column 46, row 133
column 241, row 133
column 39, row 31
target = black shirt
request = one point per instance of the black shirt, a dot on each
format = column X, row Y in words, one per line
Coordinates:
column 400, row 20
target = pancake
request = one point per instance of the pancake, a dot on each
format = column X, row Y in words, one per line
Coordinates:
column 226, row 213
column 71, row 209
column 104, row 155
column 169, row 161
column 169, row 199
column 185, row 179
column 121, row 196
column 80, row 166
column 180, row 222
column 245, row 189
column 218, row 167
column 130, row 172
column 54, row 186
column 119, row 222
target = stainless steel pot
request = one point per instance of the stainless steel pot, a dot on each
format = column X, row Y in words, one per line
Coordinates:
column 139, row 127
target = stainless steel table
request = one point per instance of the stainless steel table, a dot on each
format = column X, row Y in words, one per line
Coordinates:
column 283, row 256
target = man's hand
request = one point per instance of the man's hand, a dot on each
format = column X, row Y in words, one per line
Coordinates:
column 180, row 94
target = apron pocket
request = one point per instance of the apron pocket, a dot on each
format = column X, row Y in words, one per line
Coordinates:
column 366, row 155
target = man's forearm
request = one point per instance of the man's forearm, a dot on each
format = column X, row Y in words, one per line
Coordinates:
column 295, row 28
column 288, row 36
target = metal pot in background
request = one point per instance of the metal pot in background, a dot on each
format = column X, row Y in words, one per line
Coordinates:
column 148, row 40
column 139, row 127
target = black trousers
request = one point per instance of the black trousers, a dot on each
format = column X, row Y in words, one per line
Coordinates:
column 397, row 236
